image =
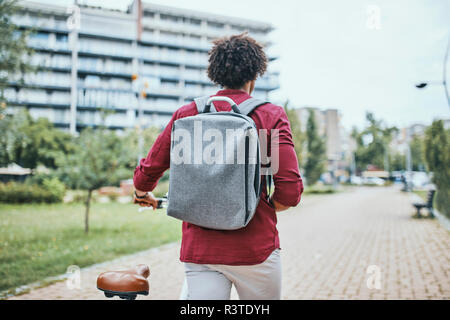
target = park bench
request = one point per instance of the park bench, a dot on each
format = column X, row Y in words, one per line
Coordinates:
column 428, row 205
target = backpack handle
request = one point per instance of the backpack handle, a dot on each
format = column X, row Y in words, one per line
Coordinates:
column 226, row 99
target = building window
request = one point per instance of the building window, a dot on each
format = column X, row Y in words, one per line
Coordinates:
column 192, row 21
column 149, row 14
column 169, row 17
column 215, row 25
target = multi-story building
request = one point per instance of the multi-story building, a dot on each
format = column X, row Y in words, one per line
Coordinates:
column 166, row 48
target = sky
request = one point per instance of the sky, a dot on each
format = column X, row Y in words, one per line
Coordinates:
column 350, row 55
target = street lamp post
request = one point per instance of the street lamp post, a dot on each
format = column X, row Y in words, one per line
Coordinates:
column 408, row 177
column 444, row 76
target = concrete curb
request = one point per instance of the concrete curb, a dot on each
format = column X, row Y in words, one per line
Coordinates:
column 50, row 280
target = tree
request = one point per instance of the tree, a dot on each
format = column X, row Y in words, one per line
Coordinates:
column 398, row 161
column 14, row 53
column 315, row 159
column 29, row 142
column 437, row 157
column 372, row 144
column 296, row 130
column 131, row 137
column 99, row 159
column 417, row 153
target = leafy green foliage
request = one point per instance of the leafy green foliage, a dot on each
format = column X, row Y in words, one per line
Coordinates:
column 131, row 140
column 437, row 156
column 51, row 191
column 56, row 188
column 417, row 153
column 30, row 142
column 315, row 161
column 97, row 160
column 319, row 189
column 398, row 161
column 100, row 159
column 14, row 53
column 372, row 144
column 296, row 130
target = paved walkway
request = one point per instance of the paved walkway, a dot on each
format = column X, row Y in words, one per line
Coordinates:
column 361, row 244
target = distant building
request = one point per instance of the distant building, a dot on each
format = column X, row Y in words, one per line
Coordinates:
column 400, row 142
column 166, row 46
column 339, row 144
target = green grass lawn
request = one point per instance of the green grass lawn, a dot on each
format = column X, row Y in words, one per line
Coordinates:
column 421, row 193
column 37, row 241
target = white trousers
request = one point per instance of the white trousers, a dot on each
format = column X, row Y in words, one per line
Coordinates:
column 213, row 281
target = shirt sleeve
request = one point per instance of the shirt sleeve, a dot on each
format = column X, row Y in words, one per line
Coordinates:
column 151, row 168
column 287, row 179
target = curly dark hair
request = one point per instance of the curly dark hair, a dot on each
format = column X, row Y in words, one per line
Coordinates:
column 235, row 60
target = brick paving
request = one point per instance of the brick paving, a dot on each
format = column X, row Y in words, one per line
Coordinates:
column 358, row 244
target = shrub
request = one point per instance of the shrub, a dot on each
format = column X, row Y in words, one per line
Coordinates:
column 14, row 192
column 161, row 189
column 437, row 156
column 38, row 178
column 113, row 197
column 55, row 187
column 317, row 189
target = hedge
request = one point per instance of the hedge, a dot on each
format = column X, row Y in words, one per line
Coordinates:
column 51, row 191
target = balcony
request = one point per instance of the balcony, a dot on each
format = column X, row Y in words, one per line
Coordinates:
column 40, row 97
column 105, row 48
column 174, row 42
column 173, row 26
column 174, row 91
column 46, row 61
column 47, row 79
column 160, row 106
column 48, row 24
column 100, row 98
column 46, row 45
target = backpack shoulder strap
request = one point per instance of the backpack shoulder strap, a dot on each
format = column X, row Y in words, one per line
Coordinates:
column 250, row 104
column 200, row 102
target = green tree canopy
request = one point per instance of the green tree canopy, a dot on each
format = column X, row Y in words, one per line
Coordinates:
column 417, row 153
column 29, row 142
column 315, row 160
column 131, row 137
column 296, row 130
column 372, row 144
column 398, row 161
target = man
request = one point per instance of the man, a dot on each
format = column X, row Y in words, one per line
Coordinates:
column 248, row 257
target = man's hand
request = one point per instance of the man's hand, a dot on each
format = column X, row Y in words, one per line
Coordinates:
column 278, row 206
column 145, row 199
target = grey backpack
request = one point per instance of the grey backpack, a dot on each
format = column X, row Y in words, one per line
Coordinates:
column 215, row 166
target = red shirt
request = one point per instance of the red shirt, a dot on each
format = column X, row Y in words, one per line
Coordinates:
column 254, row 243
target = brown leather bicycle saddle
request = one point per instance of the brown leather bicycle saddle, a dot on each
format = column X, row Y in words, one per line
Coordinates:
column 126, row 283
